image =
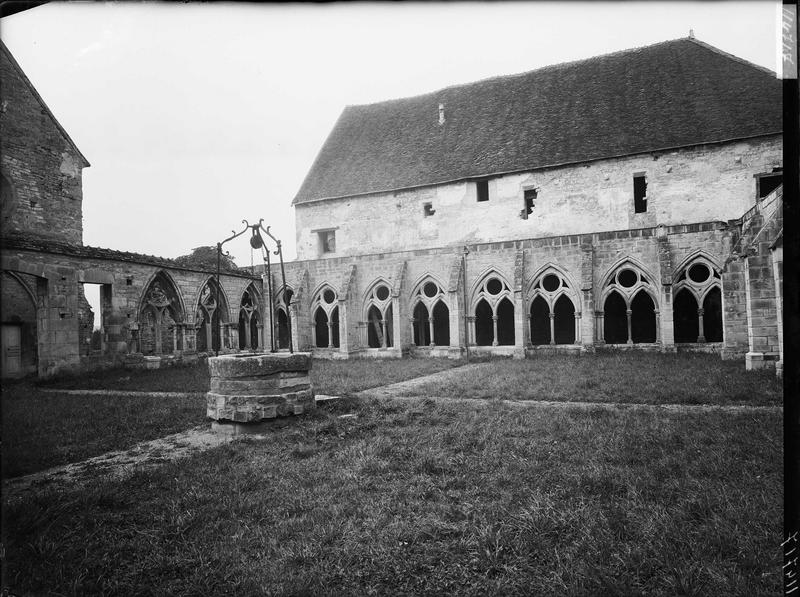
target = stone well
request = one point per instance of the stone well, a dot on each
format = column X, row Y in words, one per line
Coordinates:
column 247, row 390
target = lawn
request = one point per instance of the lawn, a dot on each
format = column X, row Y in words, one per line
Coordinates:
column 627, row 377
column 41, row 430
column 424, row 498
column 328, row 377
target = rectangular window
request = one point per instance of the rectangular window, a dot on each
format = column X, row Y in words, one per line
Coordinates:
column 427, row 209
column 530, row 198
column 482, row 187
column 766, row 183
column 639, row 193
column 327, row 241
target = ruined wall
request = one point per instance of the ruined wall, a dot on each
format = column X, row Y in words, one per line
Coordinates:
column 58, row 282
column 19, row 309
column 699, row 184
column 40, row 167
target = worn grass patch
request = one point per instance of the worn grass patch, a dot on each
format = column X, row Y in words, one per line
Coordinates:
column 180, row 378
column 614, row 377
column 41, row 430
column 328, row 377
column 345, row 377
column 420, row 498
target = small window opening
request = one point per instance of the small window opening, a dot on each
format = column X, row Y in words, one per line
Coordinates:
column 128, row 281
column 427, row 209
column 530, row 198
column 482, row 187
column 327, row 241
column 766, row 183
column 639, row 193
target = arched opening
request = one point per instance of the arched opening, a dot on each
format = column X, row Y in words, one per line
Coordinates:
column 564, row 322
column 505, row 322
column 243, row 324
column 254, row 341
column 643, row 318
column 335, row 327
column 160, row 316
column 712, row 315
column 484, row 324
column 212, row 310
column 19, row 325
column 422, row 334
column 283, row 329
column 441, row 324
column 540, row 322
column 615, row 319
column 321, row 328
column 684, row 317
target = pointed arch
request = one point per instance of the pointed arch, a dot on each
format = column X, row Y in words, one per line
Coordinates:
column 700, row 254
column 249, row 317
column 160, row 316
column 700, row 277
column 378, row 314
column 210, row 283
column 635, row 277
column 430, row 312
column 170, row 288
column 211, row 312
column 554, row 304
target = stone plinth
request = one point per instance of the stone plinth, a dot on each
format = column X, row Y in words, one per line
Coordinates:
column 250, row 389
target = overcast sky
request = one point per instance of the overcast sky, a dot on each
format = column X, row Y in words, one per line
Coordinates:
column 195, row 116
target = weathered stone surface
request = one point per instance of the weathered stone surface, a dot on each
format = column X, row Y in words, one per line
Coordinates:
column 281, row 382
column 259, row 387
column 244, row 365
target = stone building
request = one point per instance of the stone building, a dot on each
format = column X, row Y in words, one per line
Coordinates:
column 631, row 201
column 153, row 311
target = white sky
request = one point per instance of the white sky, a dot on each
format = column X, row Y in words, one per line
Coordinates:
column 197, row 116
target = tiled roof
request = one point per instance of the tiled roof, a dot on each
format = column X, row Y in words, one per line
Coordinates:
column 40, row 245
column 672, row 94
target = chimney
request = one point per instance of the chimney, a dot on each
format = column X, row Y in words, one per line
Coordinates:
column 691, row 33
column 441, row 114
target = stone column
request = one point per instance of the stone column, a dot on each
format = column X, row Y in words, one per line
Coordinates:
column 577, row 327
column 383, row 334
column 494, row 330
column 552, row 328
column 430, row 327
column 628, row 313
column 600, row 328
column 330, row 333
column 471, row 330
column 658, row 324
column 701, row 337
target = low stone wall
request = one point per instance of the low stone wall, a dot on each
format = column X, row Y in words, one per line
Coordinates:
column 247, row 388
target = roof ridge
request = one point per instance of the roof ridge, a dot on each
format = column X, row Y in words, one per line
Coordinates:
column 733, row 57
column 38, row 97
column 546, row 67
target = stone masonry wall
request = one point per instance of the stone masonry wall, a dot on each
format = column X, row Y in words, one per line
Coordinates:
column 41, row 168
column 586, row 261
column 58, row 282
column 704, row 183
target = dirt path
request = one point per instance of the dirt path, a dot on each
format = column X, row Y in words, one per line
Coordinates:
column 400, row 388
column 118, row 464
column 386, row 395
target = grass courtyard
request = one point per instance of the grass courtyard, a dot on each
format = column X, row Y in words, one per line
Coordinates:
column 418, row 497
